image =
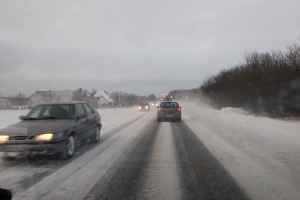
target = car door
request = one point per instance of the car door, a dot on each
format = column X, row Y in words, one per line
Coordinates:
column 92, row 120
column 82, row 123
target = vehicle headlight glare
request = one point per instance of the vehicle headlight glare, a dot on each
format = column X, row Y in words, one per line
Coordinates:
column 44, row 137
column 140, row 107
column 3, row 138
column 146, row 106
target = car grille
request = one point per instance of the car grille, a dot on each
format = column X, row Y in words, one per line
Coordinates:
column 21, row 137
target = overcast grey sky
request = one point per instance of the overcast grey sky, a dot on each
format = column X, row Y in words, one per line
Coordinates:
column 135, row 46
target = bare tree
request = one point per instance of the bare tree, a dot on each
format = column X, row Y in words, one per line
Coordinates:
column 21, row 99
column 92, row 93
column 91, row 100
column 50, row 97
column 80, row 95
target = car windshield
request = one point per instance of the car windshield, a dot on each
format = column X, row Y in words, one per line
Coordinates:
column 63, row 111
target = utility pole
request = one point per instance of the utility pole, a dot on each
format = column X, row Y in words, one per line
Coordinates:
column 119, row 96
column 119, row 99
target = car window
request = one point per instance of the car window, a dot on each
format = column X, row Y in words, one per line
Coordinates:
column 52, row 111
column 69, row 109
column 35, row 112
column 79, row 109
column 169, row 105
column 87, row 109
column 93, row 110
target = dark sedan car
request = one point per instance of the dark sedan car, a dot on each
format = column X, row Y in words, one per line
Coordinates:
column 53, row 128
column 169, row 111
column 144, row 106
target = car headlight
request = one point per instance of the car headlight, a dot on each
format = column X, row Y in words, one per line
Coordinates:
column 140, row 107
column 44, row 137
column 146, row 107
column 3, row 138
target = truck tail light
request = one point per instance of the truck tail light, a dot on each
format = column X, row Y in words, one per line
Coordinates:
column 178, row 109
column 159, row 109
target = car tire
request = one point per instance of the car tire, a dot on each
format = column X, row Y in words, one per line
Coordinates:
column 69, row 149
column 96, row 137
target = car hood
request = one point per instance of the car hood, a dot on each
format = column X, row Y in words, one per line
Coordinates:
column 31, row 127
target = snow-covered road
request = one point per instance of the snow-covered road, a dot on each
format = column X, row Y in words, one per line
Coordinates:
column 261, row 154
column 211, row 154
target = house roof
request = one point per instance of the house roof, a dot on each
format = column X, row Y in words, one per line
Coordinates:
column 103, row 94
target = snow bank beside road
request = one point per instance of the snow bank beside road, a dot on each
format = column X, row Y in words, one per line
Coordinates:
column 235, row 110
column 238, row 115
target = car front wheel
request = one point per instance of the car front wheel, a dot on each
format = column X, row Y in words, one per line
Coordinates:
column 69, row 148
column 96, row 137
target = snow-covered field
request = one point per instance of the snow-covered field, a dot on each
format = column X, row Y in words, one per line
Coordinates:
column 8, row 117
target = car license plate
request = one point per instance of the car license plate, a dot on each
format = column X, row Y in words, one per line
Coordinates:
column 14, row 148
column 170, row 115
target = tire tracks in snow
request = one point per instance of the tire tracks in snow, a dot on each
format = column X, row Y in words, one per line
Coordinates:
column 125, row 179
column 66, row 169
column 55, row 164
column 162, row 181
column 201, row 175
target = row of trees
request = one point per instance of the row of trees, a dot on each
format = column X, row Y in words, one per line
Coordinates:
column 127, row 100
column 189, row 94
column 78, row 95
column 267, row 81
column 85, row 96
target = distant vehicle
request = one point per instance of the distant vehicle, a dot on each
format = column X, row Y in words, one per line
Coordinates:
column 144, row 106
column 169, row 111
column 154, row 103
column 166, row 98
column 53, row 128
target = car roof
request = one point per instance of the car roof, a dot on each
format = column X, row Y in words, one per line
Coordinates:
column 64, row 102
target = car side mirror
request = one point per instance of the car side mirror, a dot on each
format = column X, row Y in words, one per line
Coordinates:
column 81, row 116
column 22, row 117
